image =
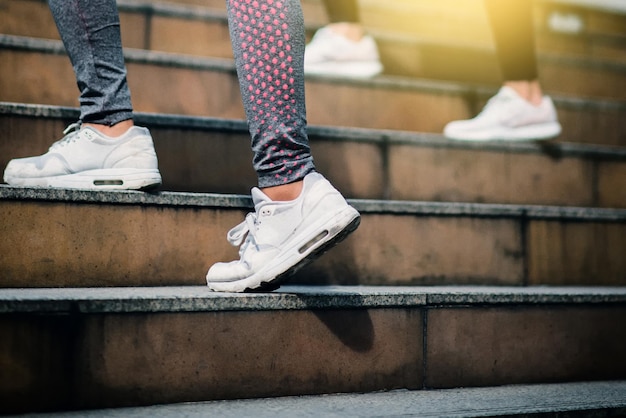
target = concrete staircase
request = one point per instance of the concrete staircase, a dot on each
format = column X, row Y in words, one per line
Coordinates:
column 476, row 265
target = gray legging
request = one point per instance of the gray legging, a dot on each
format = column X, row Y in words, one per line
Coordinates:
column 268, row 43
column 511, row 24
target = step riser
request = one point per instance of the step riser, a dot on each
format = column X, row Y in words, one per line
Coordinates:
column 114, row 246
column 86, row 245
column 493, row 345
column 122, row 360
column 178, row 90
column 85, row 361
column 466, row 175
column 193, row 160
column 27, row 18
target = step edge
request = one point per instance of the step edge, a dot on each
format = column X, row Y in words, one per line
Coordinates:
column 201, row 299
column 571, row 399
column 365, row 206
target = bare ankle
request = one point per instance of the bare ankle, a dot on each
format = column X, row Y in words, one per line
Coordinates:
column 284, row 192
column 529, row 90
column 351, row 31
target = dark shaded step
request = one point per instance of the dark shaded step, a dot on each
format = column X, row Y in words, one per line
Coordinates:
column 93, row 348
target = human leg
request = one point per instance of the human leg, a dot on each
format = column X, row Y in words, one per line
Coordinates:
column 90, row 30
column 512, row 26
column 266, row 41
column 520, row 110
column 298, row 214
column 105, row 150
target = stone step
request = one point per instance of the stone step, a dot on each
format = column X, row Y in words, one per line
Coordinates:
column 70, row 238
column 209, row 87
column 577, row 399
column 365, row 164
column 149, row 26
column 77, row 349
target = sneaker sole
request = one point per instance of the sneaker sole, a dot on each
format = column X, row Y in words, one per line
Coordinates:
column 104, row 179
column 281, row 278
column 362, row 69
column 539, row 132
column 282, row 270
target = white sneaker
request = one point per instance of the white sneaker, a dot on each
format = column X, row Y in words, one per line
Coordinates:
column 87, row 159
column 332, row 54
column 281, row 237
column 507, row 116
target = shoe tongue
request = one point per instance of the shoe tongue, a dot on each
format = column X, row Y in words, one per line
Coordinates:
column 258, row 197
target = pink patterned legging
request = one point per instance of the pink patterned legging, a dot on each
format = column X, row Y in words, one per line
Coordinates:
column 268, row 44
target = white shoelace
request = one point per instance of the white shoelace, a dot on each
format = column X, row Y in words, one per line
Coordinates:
column 244, row 234
column 70, row 135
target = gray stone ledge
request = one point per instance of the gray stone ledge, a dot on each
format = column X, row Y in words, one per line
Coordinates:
column 39, row 111
column 531, row 212
column 26, row 43
column 410, row 208
column 572, row 399
column 201, row 299
column 126, row 197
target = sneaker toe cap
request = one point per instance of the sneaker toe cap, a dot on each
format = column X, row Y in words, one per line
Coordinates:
column 34, row 167
column 19, row 168
column 470, row 130
column 227, row 272
column 456, row 127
